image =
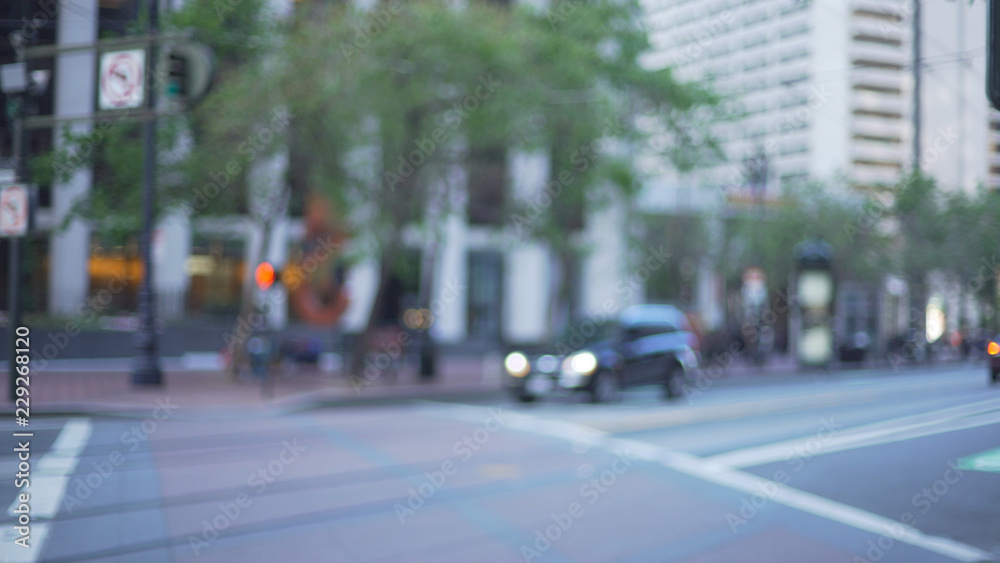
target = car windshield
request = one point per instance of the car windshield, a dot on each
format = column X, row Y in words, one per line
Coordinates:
column 585, row 332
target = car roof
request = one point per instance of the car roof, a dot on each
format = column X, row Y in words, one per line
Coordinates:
column 653, row 315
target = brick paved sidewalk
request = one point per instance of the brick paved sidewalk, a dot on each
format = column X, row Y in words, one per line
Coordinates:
column 112, row 391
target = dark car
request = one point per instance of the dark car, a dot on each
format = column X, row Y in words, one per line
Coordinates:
column 648, row 344
column 993, row 353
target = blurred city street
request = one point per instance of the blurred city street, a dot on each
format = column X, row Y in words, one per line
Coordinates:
column 709, row 281
column 869, row 465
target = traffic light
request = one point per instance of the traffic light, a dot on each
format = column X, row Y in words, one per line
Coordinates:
column 265, row 275
column 176, row 75
column 187, row 70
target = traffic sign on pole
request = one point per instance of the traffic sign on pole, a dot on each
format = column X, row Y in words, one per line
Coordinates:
column 14, row 210
column 122, row 80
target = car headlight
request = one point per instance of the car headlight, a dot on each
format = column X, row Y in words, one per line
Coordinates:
column 993, row 349
column 583, row 363
column 516, row 364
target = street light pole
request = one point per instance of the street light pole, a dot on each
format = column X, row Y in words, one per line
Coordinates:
column 14, row 250
column 14, row 258
column 146, row 370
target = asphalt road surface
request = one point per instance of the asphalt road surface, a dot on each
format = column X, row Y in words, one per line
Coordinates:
column 869, row 467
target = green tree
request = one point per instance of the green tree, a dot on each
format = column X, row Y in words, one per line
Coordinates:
column 971, row 222
column 922, row 233
column 389, row 102
column 850, row 221
column 385, row 104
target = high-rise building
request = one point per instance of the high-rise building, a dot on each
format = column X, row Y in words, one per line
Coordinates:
column 825, row 89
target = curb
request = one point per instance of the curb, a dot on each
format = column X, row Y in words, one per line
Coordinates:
column 302, row 402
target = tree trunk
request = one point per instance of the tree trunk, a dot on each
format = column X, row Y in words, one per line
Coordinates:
column 360, row 346
column 560, row 315
column 425, row 346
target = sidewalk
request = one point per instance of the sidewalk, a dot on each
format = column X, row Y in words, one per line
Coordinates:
column 112, row 392
column 105, row 387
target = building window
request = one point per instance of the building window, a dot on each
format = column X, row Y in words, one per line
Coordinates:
column 216, row 267
column 485, row 296
column 869, row 63
column 878, row 139
column 888, row 41
column 877, row 15
column 877, row 89
column 115, row 273
column 487, row 186
column 882, row 114
column 879, row 164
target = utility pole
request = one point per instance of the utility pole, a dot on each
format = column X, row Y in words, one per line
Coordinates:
column 146, row 370
column 916, row 85
column 14, row 250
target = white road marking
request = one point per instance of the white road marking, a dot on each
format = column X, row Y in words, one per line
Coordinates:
column 13, row 553
column 824, row 507
column 885, row 432
column 48, row 480
column 846, row 394
column 712, row 471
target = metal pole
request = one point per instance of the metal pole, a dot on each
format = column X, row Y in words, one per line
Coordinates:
column 13, row 298
column 916, row 85
column 14, row 257
column 146, row 370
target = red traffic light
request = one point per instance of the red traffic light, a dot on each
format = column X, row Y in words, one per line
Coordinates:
column 264, row 275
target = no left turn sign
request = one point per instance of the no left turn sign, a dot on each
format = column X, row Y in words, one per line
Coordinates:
column 13, row 211
column 122, row 79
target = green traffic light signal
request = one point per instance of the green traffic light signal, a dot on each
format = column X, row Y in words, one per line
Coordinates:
column 176, row 76
column 187, row 70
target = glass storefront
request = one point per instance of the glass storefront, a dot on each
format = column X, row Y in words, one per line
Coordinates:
column 216, row 268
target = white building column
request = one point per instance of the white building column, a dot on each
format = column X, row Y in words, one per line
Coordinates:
column 450, row 297
column 69, row 279
column 526, row 304
column 277, row 254
column 360, row 284
column 528, row 265
column 607, row 287
column 171, row 248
